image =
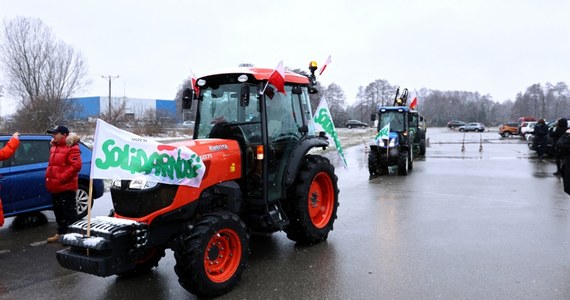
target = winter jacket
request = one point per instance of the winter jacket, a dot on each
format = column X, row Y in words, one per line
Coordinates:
column 540, row 132
column 64, row 165
column 5, row 153
column 559, row 130
column 563, row 145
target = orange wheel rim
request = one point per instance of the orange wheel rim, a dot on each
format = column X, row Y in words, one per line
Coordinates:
column 321, row 200
column 223, row 255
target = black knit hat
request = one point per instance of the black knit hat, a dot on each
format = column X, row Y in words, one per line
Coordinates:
column 59, row 129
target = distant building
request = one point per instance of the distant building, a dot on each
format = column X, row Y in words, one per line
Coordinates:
column 135, row 108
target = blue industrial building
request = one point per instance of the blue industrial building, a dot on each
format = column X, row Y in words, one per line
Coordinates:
column 93, row 107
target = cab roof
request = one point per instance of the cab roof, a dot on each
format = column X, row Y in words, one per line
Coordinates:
column 260, row 74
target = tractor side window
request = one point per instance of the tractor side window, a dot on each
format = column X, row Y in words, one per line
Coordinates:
column 283, row 113
column 306, row 105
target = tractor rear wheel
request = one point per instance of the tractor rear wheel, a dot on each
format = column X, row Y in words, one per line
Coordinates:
column 312, row 201
column 146, row 262
column 212, row 257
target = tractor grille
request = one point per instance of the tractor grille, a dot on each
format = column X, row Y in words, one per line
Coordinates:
column 140, row 203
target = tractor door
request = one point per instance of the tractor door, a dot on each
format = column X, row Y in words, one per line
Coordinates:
column 284, row 118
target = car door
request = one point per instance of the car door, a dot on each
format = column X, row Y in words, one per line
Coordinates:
column 23, row 185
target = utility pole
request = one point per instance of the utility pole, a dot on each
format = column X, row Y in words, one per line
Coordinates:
column 110, row 78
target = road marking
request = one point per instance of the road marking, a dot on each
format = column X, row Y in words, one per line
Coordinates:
column 38, row 243
column 4, row 251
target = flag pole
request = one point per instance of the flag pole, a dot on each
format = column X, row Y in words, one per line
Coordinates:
column 89, row 201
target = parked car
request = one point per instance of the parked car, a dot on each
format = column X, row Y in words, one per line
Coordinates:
column 355, row 124
column 188, row 124
column 527, row 127
column 22, row 177
column 477, row 127
column 508, row 129
column 454, row 124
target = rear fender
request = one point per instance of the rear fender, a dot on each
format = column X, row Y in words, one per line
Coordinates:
column 298, row 155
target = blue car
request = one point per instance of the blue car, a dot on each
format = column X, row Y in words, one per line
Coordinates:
column 22, row 177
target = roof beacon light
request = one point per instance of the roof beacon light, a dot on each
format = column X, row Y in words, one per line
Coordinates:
column 313, row 66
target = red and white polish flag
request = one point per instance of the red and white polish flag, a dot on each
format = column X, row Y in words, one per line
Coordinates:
column 277, row 78
column 327, row 62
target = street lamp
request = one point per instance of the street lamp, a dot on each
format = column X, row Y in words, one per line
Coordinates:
column 110, row 78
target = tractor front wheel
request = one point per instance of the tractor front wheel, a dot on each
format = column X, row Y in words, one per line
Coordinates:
column 312, row 201
column 403, row 163
column 373, row 164
column 212, row 257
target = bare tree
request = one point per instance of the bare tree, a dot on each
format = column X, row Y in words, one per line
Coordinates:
column 336, row 101
column 41, row 73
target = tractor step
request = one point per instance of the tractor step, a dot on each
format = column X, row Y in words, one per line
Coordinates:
column 276, row 214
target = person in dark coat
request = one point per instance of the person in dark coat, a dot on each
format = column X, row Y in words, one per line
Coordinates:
column 61, row 177
column 559, row 130
column 563, row 146
column 540, row 133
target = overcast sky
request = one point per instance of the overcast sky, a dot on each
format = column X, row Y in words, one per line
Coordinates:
column 489, row 46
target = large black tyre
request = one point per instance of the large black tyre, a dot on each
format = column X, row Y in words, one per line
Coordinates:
column 146, row 262
column 403, row 163
column 373, row 164
column 81, row 201
column 212, row 257
column 422, row 147
column 312, row 201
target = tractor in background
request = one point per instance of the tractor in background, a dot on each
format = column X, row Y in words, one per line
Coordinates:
column 404, row 141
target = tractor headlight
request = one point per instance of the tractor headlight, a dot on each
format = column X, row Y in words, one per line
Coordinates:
column 392, row 142
column 141, row 184
column 136, row 184
column 117, row 183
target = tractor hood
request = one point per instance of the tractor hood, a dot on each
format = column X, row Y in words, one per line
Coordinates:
column 222, row 158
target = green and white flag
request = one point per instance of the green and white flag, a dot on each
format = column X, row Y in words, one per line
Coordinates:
column 384, row 133
column 324, row 122
column 119, row 154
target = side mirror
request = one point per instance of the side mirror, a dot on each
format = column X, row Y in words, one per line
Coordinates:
column 187, row 96
column 373, row 117
column 244, row 95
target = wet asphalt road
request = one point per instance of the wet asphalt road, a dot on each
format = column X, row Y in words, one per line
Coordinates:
column 490, row 224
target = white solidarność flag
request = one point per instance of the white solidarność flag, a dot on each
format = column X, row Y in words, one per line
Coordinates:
column 324, row 122
column 384, row 133
column 119, row 154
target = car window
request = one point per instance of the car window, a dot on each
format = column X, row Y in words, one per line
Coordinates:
column 31, row 152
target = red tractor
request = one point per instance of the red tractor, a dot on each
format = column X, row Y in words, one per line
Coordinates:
column 259, row 178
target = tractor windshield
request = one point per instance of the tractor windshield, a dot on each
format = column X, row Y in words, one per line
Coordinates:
column 220, row 104
column 394, row 118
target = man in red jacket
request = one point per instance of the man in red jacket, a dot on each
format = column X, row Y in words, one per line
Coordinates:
column 61, row 177
column 6, row 152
